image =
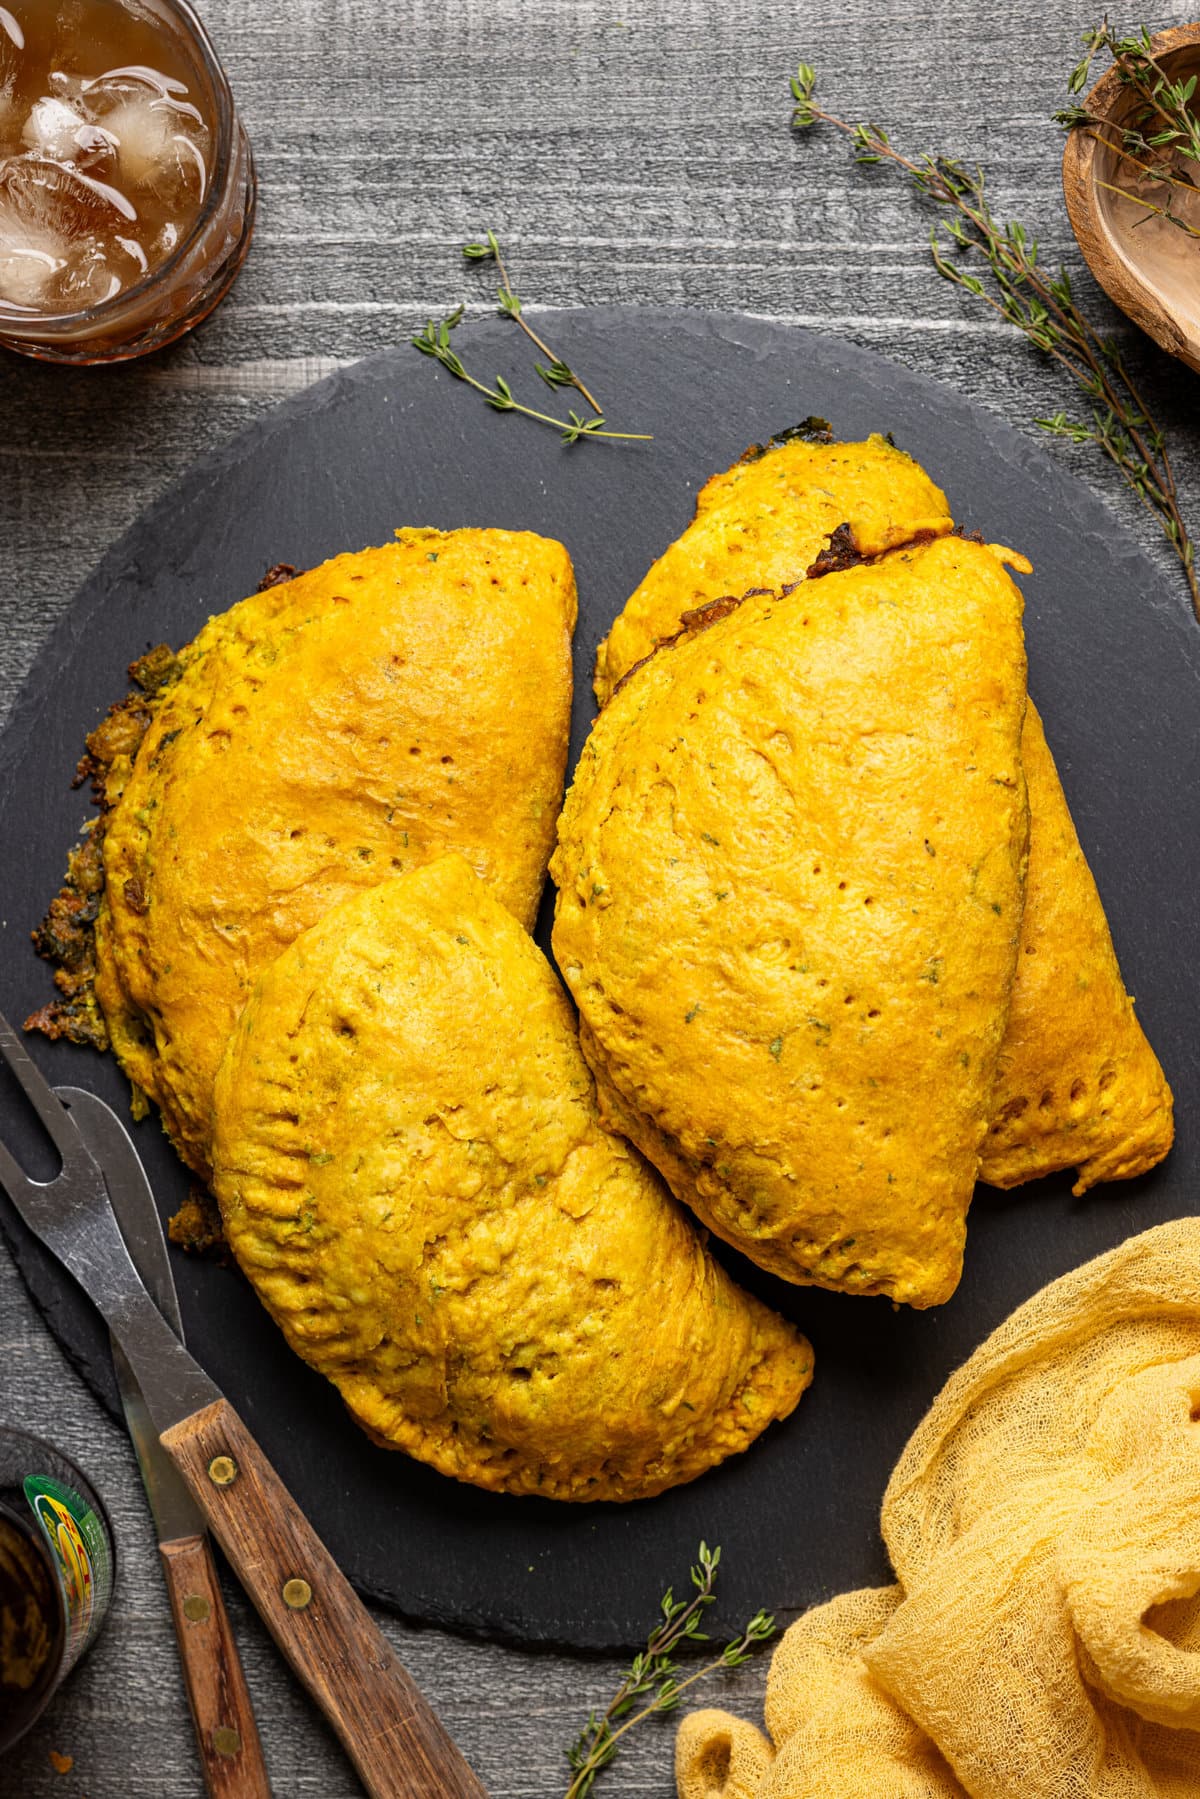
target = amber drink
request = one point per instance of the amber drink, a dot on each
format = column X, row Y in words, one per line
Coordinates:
column 126, row 180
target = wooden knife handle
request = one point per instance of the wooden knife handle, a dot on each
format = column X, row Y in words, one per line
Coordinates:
column 396, row 1741
column 226, row 1734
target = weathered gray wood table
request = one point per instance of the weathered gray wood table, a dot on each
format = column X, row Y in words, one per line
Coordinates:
column 632, row 151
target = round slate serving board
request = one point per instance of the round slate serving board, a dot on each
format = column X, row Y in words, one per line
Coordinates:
column 1115, row 668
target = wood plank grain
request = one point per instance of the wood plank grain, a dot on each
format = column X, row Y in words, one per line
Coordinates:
column 628, row 152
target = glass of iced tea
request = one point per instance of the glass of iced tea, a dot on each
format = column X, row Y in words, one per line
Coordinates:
column 126, row 180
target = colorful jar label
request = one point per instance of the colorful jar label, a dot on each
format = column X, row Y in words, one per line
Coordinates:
column 82, row 1557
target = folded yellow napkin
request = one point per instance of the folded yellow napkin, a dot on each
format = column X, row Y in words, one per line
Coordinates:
column 1043, row 1637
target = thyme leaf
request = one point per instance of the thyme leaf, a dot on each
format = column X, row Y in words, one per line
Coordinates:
column 1016, row 286
column 655, row 1678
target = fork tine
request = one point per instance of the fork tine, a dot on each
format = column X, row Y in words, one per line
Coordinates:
column 13, row 1178
column 54, row 1115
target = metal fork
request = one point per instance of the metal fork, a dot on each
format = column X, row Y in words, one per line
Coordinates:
column 396, row 1741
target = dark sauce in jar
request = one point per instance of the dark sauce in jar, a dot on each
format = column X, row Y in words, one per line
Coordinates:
column 56, row 1575
column 31, row 1629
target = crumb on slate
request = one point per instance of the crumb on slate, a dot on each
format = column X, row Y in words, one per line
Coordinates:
column 196, row 1226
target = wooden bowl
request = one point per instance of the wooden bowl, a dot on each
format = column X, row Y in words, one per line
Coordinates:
column 1146, row 265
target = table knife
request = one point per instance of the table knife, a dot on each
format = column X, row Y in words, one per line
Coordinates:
column 398, row 1745
column 231, row 1755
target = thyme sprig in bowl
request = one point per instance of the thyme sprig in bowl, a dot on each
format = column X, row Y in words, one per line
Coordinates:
column 1156, row 131
column 1131, row 175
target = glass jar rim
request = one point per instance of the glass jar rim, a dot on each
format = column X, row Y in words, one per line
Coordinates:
column 106, row 314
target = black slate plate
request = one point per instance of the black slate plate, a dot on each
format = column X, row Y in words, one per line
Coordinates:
column 1115, row 667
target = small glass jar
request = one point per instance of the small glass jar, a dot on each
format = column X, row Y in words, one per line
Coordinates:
column 176, row 293
column 57, row 1565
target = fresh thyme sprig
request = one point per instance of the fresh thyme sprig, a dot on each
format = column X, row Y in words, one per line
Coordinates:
column 1149, row 207
column 557, row 373
column 1043, row 307
column 1166, row 108
column 654, row 1672
column 1162, row 133
column 434, row 341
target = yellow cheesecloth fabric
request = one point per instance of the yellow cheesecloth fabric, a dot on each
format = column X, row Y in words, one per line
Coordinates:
column 1043, row 1638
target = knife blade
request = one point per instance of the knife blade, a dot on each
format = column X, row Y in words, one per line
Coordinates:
column 175, row 1512
column 227, row 1738
column 396, row 1741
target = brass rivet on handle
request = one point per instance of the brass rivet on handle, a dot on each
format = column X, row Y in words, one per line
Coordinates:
column 222, row 1471
column 297, row 1593
column 226, row 1740
column 196, row 1608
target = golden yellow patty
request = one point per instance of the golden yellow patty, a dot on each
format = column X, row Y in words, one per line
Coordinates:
column 413, row 1175
column 379, row 711
column 763, row 523
column 790, row 880
column 1078, row 1085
